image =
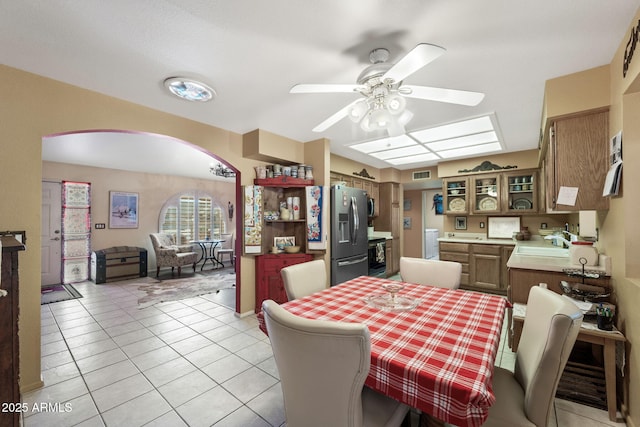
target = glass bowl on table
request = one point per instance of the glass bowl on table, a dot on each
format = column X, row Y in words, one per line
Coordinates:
column 391, row 301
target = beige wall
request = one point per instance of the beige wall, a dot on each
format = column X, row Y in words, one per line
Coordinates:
column 619, row 226
column 153, row 190
column 527, row 159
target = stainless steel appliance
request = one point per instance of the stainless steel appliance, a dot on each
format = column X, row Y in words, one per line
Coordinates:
column 349, row 243
column 371, row 207
column 377, row 256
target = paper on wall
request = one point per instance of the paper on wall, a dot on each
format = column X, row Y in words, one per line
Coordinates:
column 567, row 196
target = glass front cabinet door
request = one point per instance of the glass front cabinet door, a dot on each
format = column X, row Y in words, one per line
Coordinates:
column 485, row 194
column 456, row 197
column 521, row 195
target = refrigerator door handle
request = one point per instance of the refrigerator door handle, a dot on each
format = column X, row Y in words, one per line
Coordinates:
column 356, row 221
column 355, row 261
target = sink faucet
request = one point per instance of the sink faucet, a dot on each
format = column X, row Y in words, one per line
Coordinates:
column 558, row 240
column 572, row 237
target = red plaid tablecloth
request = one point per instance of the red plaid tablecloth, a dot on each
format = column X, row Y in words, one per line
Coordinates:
column 438, row 358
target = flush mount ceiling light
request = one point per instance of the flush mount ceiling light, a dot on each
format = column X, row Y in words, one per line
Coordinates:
column 455, row 140
column 189, row 89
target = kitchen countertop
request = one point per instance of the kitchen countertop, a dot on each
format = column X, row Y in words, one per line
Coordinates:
column 551, row 263
column 474, row 238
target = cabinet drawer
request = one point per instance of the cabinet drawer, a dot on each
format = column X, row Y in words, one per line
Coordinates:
column 486, row 249
column 454, row 256
column 464, row 277
column 454, row 247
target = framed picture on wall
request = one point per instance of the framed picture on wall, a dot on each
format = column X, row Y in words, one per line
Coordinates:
column 123, row 209
column 406, row 223
column 461, row 223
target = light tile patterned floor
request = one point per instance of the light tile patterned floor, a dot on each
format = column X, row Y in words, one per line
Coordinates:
column 186, row 363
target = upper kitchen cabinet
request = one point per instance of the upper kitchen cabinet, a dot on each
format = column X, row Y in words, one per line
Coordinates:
column 456, row 195
column 577, row 157
column 485, row 194
column 371, row 187
column 520, row 194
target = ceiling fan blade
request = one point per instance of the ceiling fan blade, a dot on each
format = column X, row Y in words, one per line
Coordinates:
column 325, row 88
column 417, row 58
column 335, row 118
column 451, row 96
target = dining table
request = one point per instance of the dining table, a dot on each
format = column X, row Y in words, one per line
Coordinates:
column 208, row 247
column 437, row 357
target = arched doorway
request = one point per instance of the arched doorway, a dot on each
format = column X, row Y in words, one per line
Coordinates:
column 157, row 158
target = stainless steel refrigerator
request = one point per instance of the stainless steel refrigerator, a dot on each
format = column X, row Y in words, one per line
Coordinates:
column 348, row 234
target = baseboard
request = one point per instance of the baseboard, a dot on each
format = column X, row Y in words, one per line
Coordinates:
column 33, row 386
column 625, row 415
column 245, row 314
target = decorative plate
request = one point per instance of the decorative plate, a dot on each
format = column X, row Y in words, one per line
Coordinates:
column 488, row 204
column 522, row 204
column 457, row 204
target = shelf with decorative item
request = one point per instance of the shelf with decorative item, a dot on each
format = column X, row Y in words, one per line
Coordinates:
column 283, row 181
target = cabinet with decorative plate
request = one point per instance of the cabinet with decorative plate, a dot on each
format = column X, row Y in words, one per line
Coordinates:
column 520, row 191
column 456, row 195
column 485, row 194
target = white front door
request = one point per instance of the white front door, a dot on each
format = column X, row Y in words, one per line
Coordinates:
column 51, row 234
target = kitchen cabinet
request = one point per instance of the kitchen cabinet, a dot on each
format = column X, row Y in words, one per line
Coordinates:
column 269, row 284
column 455, row 195
column 486, row 267
column 9, row 350
column 457, row 252
column 389, row 256
column 486, row 194
column 390, row 219
column 371, row 187
column 483, row 264
column 501, row 193
column 520, row 192
column 577, row 156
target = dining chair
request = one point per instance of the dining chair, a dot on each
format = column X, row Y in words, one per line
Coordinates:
column 443, row 274
column 304, row 279
column 226, row 248
column 525, row 397
column 323, row 366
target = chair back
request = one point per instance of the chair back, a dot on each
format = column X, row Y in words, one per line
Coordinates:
column 443, row 274
column 322, row 365
column 550, row 329
column 228, row 241
column 304, row 279
column 162, row 240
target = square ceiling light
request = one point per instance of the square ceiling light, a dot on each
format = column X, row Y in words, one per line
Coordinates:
column 476, row 136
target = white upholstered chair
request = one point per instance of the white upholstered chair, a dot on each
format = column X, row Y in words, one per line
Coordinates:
column 525, row 397
column 443, row 274
column 170, row 254
column 304, row 279
column 323, row 366
column 226, row 248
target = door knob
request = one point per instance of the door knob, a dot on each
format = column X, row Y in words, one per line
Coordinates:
column 56, row 238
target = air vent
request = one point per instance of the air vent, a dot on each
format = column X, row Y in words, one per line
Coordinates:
column 420, row 175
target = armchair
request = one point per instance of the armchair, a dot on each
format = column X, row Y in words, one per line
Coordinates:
column 168, row 254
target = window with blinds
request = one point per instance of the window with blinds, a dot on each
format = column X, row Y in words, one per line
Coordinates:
column 192, row 216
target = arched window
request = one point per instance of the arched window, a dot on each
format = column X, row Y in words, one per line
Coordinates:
column 192, row 216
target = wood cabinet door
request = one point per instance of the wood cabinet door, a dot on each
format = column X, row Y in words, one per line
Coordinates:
column 485, row 271
column 455, row 195
column 485, row 193
column 520, row 192
column 581, row 159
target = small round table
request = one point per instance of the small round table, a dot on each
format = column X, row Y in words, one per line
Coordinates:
column 209, row 253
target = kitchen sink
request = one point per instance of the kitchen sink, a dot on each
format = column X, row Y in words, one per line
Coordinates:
column 542, row 251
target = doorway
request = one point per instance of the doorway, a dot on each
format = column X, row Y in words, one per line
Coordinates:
column 51, row 236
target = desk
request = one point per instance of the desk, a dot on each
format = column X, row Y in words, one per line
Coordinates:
column 438, row 358
column 209, row 254
column 591, row 334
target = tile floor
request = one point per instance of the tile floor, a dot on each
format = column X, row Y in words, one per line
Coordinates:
column 187, row 363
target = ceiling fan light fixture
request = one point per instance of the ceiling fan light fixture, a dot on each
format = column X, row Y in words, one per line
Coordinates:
column 358, row 111
column 189, row 89
column 396, row 104
column 379, row 119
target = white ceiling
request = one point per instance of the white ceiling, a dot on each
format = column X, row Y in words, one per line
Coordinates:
column 252, row 52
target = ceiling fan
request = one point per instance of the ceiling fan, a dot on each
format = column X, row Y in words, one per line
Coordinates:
column 383, row 105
